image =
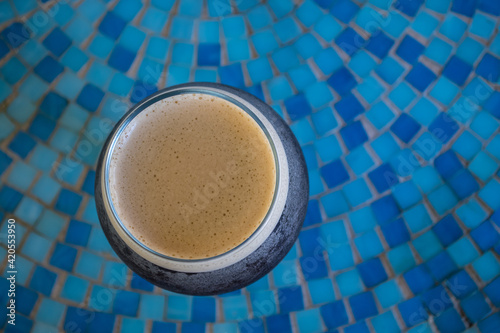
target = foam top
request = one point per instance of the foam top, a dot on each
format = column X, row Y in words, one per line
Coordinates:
column 192, row 176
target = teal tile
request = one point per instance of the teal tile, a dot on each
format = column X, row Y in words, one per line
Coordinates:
column 328, row 28
column 395, row 24
column 438, row 50
column 285, row 274
column 489, row 194
column 385, row 323
column 50, row 224
column 385, row 146
column 424, row 111
column 362, row 220
column 486, row 266
column 235, row 308
column 368, row 245
column 328, row 148
column 425, row 24
column 427, row 245
column 462, row 251
column 321, row 291
column 417, row 218
column 453, row 27
column 152, row 307
column 483, row 166
column 179, row 307
column 380, row 115
column 359, row 160
column 89, row 265
column 50, row 312
column 469, row 50
column 442, row 199
column 46, row 189
column 132, row 325
column 388, row 293
column 482, row 26
column 401, row 259
column 467, row 146
column 357, row 192
column 28, row 210
column 21, row 175
column 471, row 213
column 263, row 303
column 309, row 321
column 74, row 289
column 349, row 283
column 370, row 89
column 36, row 247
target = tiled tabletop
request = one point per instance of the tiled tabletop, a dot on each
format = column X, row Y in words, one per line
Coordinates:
column 396, row 105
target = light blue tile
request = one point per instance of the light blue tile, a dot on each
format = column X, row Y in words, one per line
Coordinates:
column 21, row 175
column 152, row 307
column 89, row 265
column 50, row 224
column 471, row 213
column 285, row 274
column 132, row 325
column 349, row 283
column 33, row 88
column 417, row 218
column 46, row 189
column 235, row 308
column 179, row 307
column 309, row 321
column 487, row 266
column 388, row 293
column 50, row 312
column 321, row 291
column 36, row 247
column 74, row 289
column 401, row 259
column 28, row 210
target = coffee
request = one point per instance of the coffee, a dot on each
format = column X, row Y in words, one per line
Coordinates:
column 192, row 176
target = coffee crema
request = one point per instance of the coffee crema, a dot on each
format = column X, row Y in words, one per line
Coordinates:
column 192, row 176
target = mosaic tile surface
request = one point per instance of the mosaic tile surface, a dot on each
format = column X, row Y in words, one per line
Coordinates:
column 396, row 105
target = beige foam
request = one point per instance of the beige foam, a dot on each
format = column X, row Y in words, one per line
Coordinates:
column 192, row 176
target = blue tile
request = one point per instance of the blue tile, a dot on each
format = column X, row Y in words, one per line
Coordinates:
column 42, row 127
column 409, row 7
column 349, row 41
column 48, row 69
column 420, row 77
column 492, row 290
column 383, row 177
column 437, row 299
column 286, row 29
column 344, row 10
column 53, row 105
column 112, row 25
column 209, row 54
column 489, row 68
column 475, row 307
column 291, row 299
column 409, row 49
column 353, row 135
column 16, row 34
column 379, row 44
column 464, row 7
column 447, row 164
column 463, row 184
column 418, row 279
column 334, row 174
column 457, row 70
column 395, row 233
column 232, row 75
column 487, row 267
column 78, row 233
column 349, row 107
column 409, row 308
column 26, row 299
column 57, row 42
column 389, row 70
column 363, row 305
column 121, row 58
column 68, row 202
column 447, row 230
column 297, row 107
column 368, row 245
column 385, row 209
column 77, row 319
column 449, row 321
column 334, row 314
column 89, row 265
column 139, row 283
column 9, row 198
column 43, row 280
column 485, row 235
column 74, row 289
column 372, row 272
column 63, row 257
column 279, row 323
column 191, row 327
column 90, row 97
column 203, row 309
column 13, row 70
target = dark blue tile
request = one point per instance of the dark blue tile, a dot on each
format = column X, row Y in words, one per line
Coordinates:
column 16, row 34
column 25, row 300
column 490, row 324
column 48, row 69
column 492, row 104
column 420, row 77
column 126, row 303
column 22, row 325
column 359, row 327
column 463, row 184
column 334, row 174
column 77, row 320
column 489, row 68
column 349, row 107
column 418, row 279
column 142, row 90
column 342, row 81
column 385, row 209
column 485, row 235
column 383, row 177
column 203, row 309
column 334, row 314
column 112, row 25
column 372, row 272
column 209, row 54
column 475, row 307
column 102, row 323
column 461, row 284
column 409, row 7
column 457, row 70
column 405, row 127
column 256, row 90
column 449, row 321
column 252, row 326
column 325, row 3
column 4, row 284
column 309, row 241
column 447, row 230
column 310, row 156
column 57, row 42
column 313, row 266
column 379, row 44
column 4, row 49
column 232, row 75
column 297, row 107
column 412, row 311
column 160, row 327
column 279, row 323
column 53, row 105
column 396, row 233
column 5, row 161
column 68, row 202
column 63, row 257
column 9, row 198
column 78, row 233
column 290, row 299
column 409, row 49
column 437, row 299
column 447, row 164
column 42, row 127
column 193, row 328
column 43, row 280
column 139, row 283
column 464, row 7
column 441, row 266
column 313, row 214
column 363, row 305
column 88, row 183
column 353, row 135
column 22, row 144
column 121, row 58
column 495, row 218
column 90, row 97
column 492, row 290
column 492, row 7
column 350, row 41
column 344, row 10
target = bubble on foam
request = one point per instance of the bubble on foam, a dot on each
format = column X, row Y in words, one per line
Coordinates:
column 164, row 158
